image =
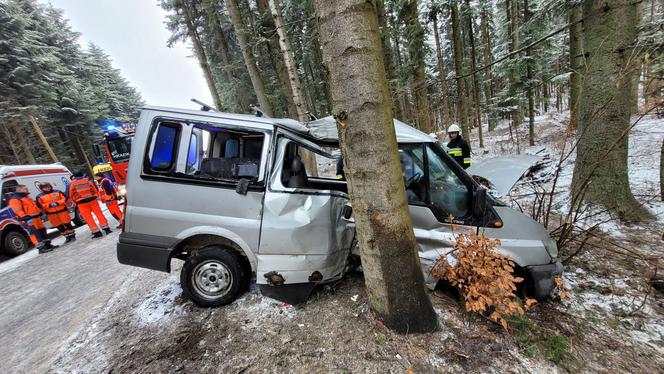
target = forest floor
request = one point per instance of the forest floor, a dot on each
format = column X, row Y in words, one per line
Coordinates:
column 612, row 322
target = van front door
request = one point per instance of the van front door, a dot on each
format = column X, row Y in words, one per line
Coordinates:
column 305, row 238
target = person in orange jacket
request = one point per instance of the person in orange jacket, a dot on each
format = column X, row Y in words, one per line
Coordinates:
column 54, row 204
column 109, row 195
column 29, row 215
column 84, row 193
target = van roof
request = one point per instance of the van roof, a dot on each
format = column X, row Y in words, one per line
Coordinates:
column 25, row 170
column 323, row 129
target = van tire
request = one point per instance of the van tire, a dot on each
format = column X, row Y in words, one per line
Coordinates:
column 212, row 276
column 15, row 243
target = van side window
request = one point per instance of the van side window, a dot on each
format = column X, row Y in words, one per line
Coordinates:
column 218, row 153
column 448, row 192
column 164, row 153
column 296, row 174
column 7, row 189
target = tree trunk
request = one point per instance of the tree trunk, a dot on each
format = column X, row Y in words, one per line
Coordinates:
column 22, row 141
column 9, row 141
column 489, row 92
column 513, row 30
column 308, row 158
column 576, row 62
column 42, row 138
column 362, row 108
column 473, row 66
column 200, row 53
column 402, row 111
column 388, row 56
column 416, row 51
column 529, row 86
column 462, row 99
column 249, row 61
column 661, row 172
column 442, row 76
column 600, row 171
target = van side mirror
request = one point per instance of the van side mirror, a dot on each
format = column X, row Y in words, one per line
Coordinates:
column 479, row 202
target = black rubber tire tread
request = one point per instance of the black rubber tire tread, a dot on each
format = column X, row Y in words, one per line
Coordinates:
column 219, row 253
column 9, row 249
column 78, row 218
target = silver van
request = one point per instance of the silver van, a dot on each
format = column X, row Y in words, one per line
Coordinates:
column 230, row 195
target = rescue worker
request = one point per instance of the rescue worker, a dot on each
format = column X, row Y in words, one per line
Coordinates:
column 29, row 215
column 54, row 204
column 109, row 195
column 457, row 147
column 84, row 193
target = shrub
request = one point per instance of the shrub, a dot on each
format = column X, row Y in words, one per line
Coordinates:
column 485, row 278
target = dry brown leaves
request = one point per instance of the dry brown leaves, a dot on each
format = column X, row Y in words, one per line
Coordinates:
column 485, row 278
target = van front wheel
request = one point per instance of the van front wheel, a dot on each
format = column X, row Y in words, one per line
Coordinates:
column 212, row 276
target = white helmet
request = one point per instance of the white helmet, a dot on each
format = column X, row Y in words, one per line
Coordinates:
column 453, row 128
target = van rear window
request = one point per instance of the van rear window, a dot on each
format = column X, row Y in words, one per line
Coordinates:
column 164, row 152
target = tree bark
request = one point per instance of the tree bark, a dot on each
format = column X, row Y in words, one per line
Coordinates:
column 661, row 172
column 362, row 107
column 462, row 99
column 308, row 158
column 249, row 61
column 268, row 28
column 576, row 62
column 473, row 66
column 200, row 53
column 529, row 77
column 600, row 171
column 489, row 90
column 42, row 138
column 442, row 75
column 416, row 51
column 388, row 56
column 11, row 143
column 513, row 31
column 404, row 106
column 22, row 142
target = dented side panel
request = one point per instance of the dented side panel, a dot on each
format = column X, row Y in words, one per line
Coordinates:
column 302, row 230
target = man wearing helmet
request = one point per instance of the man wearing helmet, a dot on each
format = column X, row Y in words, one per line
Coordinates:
column 457, row 147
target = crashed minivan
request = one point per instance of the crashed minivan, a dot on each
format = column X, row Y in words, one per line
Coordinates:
column 229, row 195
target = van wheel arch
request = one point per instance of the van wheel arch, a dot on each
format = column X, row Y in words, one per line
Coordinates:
column 13, row 229
column 191, row 244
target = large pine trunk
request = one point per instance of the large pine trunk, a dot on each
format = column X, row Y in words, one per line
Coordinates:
column 249, row 61
column 308, row 158
column 600, row 171
column 361, row 104
column 462, row 99
column 576, row 62
column 446, row 110
column 529, row 77
column 388, row 57
column 514, row 79
column 200, row 53
column 473, row 67
column 416, row 51
column 488, row 59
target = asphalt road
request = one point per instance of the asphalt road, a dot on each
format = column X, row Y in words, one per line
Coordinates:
column 45, row 299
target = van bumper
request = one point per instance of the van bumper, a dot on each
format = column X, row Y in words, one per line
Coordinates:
column 543, row 278
column 146, row 251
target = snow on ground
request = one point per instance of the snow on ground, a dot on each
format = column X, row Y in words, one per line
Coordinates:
column 159, row 305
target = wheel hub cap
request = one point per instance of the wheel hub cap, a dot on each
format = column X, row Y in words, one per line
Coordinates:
column 212, row 278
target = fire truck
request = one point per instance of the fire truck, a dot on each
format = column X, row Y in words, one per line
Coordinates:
column 114, row 149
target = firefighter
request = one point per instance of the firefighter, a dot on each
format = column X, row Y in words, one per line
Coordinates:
column 29, row 215
column 84, row 193
column 54, row 204
column 457, row 147
column 109, row 195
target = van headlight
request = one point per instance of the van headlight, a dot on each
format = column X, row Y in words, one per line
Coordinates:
column 551, row 247
column 122, row 191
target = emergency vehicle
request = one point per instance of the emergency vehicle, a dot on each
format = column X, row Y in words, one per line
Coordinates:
column 14, row 239
column 115, row 148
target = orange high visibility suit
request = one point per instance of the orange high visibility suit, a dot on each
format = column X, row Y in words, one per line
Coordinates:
column 54, row 204
column 83, row 192
column 109, row 195
column 29, row 215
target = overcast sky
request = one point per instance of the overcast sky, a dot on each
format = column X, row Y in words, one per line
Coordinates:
column 133, row 33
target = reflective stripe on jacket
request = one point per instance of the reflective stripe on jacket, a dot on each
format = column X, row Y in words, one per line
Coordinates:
column 460, row 151
column 107, row 191
column 52, row 202
column 24, row 207
column 82, row 190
